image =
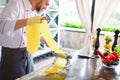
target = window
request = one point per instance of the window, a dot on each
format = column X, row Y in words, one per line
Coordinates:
column 68, row 14
column 69, row 17
column 114, row 21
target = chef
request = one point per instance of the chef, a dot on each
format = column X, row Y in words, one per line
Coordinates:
column 15, row 59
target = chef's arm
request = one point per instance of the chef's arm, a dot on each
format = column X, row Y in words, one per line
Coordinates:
column 33, row 20
column 20, row 23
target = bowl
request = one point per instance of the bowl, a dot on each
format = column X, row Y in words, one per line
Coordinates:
column 110, row 65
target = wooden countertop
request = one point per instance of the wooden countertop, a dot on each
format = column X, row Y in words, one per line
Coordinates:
column 82, row 69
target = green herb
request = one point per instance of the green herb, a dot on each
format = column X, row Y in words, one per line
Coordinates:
column 106, row 53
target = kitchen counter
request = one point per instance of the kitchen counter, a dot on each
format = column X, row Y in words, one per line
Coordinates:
column 81, row 69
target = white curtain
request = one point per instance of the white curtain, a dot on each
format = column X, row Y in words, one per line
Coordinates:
column 103, row 10
column 83, row 8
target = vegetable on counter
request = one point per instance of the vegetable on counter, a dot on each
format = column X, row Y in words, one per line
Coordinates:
column 106, row 53
column 117, row 49
column 107, row 44
column 109, row 59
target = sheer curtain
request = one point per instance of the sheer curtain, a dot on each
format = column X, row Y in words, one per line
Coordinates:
column 85, row 16
column 103, row 10
column 83, row 8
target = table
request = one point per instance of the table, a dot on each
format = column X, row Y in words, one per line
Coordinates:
column 92, row 69
column 82, row 69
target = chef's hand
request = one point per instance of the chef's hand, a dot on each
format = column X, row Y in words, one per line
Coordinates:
column 36, row 19
column 43, row 41
column 42, row 18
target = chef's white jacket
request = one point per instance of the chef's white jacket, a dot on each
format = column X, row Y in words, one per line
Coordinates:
column 13, row 11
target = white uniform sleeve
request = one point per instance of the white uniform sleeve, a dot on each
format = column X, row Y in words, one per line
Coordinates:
column 8, row 17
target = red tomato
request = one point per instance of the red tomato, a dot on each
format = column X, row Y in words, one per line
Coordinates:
column 115, row 54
